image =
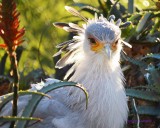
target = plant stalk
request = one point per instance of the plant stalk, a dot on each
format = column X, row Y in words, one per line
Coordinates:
column 15, row 74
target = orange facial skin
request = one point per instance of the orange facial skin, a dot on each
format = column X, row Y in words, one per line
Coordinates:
column 98, row 46
column 95, row 44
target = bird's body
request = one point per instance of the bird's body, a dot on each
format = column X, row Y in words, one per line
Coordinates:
column 97, row 68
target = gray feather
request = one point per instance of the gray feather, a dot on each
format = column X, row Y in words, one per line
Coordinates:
column 75, row 13
column 62, row 62
column 125, row 25
column 111, row 17
column 75, row 26
column 65, row 43
column 60, row 24
column 118, row 22
column 69, row 29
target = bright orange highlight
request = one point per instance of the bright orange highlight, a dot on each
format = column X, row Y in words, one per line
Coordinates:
column 97, row 46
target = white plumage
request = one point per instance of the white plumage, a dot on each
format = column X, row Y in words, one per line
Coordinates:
column 95, row 52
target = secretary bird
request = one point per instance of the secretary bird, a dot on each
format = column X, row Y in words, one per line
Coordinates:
column 95, row 55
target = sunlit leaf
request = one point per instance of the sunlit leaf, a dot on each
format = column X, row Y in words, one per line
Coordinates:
column 30, row 108
column 156, row 56
column 8, row 97
column 143, row 95
column 10, row 118
column 143, row 22
column 148, row 110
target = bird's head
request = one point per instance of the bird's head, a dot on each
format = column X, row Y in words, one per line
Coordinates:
column 98, row 36
column 102, row 36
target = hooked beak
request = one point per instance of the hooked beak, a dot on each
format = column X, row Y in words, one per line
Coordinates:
column 108, row 50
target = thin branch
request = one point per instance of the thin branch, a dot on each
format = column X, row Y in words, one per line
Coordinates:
column 135, row 107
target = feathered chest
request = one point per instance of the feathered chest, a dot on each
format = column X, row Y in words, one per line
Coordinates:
column 104, row 83
column 101, row 79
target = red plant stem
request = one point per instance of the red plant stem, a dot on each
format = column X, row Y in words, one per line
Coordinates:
column 11, row 34
column 15, row 85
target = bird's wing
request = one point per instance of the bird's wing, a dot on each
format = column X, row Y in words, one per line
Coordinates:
column 52, row 111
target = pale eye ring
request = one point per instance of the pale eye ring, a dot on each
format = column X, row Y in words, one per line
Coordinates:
column 92, row 40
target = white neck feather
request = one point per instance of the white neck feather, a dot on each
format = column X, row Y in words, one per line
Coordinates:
column 103, row 80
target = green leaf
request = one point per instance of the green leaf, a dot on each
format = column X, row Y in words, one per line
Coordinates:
column 11, row 118
column 30, row 108
column 8, row 97
column 155, row 75
column 156, row 56
column 134, row 61
column 148, row 110
column 103, row 7
column 134, row 17
column 108, row 4
column 131, row 6
column 80, row 5
column 87, row 7
column 144, row 95
column 90, row 9
column 114, row 10
column 142, row 22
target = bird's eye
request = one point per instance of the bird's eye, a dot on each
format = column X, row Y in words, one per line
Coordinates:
column 116, row 42
column 92, row 40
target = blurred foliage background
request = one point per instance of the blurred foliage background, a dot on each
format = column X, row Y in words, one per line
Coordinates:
column 141, row 65
column 37, row 18
column 41, row 36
